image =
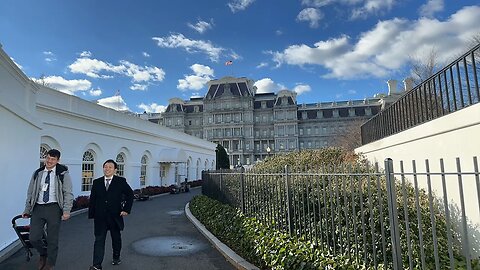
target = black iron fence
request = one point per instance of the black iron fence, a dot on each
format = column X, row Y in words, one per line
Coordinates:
column 386, row 219
column 454, row 87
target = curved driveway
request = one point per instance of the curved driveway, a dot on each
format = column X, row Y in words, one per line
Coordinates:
column 162, row 217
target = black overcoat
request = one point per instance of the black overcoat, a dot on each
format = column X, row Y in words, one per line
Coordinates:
column 106, row 205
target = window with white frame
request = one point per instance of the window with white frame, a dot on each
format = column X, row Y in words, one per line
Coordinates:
column 120, row 164
column 198, row 169
column 143, row 170
column 88, row 166
column 163, row 170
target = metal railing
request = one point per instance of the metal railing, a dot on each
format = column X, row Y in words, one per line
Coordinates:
column 387, row 220
column 453, row 88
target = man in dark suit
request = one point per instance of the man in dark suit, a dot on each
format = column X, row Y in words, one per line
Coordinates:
column 111, row 199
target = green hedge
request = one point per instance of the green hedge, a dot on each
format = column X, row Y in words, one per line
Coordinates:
column 265, row 247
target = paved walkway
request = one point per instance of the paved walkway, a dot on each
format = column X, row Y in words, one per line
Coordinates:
column 148, row 231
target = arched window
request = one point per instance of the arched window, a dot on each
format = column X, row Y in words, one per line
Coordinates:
column 198, row 170
column 121, row 164
column 188, row 168
column 88, row 166
column 44, row 148
column 143, row 171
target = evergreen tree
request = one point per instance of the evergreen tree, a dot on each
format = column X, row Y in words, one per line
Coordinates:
column 222, row 158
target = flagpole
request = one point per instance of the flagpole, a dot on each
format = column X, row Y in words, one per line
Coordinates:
column 118, row 100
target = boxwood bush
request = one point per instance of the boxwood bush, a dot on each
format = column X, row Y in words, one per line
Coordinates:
column 263, row 246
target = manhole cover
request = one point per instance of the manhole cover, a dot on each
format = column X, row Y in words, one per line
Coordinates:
column 175, row 212
column 168, row 246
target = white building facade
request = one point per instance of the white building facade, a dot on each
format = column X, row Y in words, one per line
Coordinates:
column 35, row 119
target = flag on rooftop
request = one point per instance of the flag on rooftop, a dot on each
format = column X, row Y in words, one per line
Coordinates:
column 228, row 63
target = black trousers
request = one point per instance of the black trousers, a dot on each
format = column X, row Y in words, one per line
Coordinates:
column 101, row 227
column 49, row 214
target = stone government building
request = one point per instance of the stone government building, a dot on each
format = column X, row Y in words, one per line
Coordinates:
column 254, row 125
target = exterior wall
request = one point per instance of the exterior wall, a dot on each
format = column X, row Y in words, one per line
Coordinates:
column 77, row 125
column 19, row 141
column 454, row 135
column 32, row 116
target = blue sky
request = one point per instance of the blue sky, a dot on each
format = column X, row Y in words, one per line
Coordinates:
column 137, row 55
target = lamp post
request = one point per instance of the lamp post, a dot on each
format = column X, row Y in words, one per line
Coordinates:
column 268, row 151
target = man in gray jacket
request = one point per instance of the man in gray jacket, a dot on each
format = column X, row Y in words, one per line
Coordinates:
column 49, row 200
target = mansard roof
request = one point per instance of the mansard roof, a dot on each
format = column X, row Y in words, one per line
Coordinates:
column 229, row 86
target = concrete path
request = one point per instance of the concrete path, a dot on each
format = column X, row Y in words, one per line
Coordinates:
column 157, row 236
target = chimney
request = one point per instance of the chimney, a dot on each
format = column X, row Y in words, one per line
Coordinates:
column 408, row 83
column 392, row 87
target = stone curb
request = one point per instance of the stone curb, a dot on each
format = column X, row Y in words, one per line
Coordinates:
column 237, row 261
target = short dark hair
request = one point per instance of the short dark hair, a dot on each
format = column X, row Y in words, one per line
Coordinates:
column 111, row 161
column 54, row 153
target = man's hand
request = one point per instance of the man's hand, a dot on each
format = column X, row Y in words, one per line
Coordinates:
column 65, row 216
column 25, row 215
column 123, row 213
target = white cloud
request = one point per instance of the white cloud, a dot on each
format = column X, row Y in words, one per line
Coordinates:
column 359, row 8
column 302, row 88
column 317, row 3
column 386, row 47
column 201, row 26
column 191, row 46
column 310, row 15
column 140, row 87
column 64, row 85
column 267, row 85
column 278, row 32
column 152, row 108
column 95, row 68
column 145, row 54
column 261, row 65
column 86, row 54
column 238, row 5
column 142, row 74
column 431, row 7
column 49, row 56
column 114, row 102
column 92, row 67
column 372, row 7
column 95, row 93
column 202, row 74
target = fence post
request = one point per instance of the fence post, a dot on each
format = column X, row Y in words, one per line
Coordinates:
column 393, row 215
column 289, row 200
column 242, row 189
column 221, row 178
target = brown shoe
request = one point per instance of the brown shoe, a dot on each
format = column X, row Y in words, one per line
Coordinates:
column 41, row 262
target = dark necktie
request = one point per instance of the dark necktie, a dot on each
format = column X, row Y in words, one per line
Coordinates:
column 46, row 193
column 108, row 184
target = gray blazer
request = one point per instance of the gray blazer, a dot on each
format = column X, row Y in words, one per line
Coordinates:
column 63, row 189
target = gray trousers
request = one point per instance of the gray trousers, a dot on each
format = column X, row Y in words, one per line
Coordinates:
column 50, row 215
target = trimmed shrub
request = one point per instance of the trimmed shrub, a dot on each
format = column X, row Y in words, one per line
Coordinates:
column 265, row 247
column 80, row 202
